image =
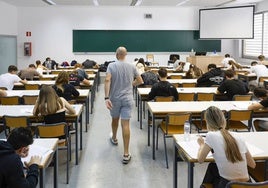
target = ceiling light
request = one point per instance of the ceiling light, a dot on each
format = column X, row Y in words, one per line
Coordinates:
column 183, row 2
column 96, row 2
column 50, row 2
column 136, row 3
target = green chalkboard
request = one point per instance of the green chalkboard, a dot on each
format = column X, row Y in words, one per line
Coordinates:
column 141, row 41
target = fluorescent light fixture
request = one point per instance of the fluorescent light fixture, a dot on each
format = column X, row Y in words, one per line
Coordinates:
column 183, row 2
column 136, row 3
column 96, row 2
column 50, row 2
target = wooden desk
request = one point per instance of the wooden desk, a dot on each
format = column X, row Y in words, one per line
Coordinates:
column 258, row 149
column 202, row 62
column 26, row 110
column 161, row 109
column 246, row 77
column 181, row 81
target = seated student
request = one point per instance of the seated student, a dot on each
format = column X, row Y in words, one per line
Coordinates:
column 28, row 73
column 148, row 77
column 140, row 66
column 182, row 66
column 81, row 73
column 7, row 80
column 229, row 151
column 214, row 76
column 259, row 70
column 225, row 61
column 231, row 86
column 11, row 167
column 163, row 88
column 262, row 61
column 194, row 72
column 63, row 88
column 90, row 64
column 262, row 94
column 233, row 65
column 48, row 102
column 50, row 64
column 40, row 67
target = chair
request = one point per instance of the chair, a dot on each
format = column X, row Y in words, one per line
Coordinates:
column 234, row 184
column 55, row 118
column 186, row 96
column 150, row 59
column 188, row 84
column 171, row 57
column 242, row 97
column 262, row 78
column 29, row 99
column 205, row 96
column 11, row 122
column 235, row 118
column 45, row 78
column 258, row 173
column 173, row 124
column 201, row 123
column 12, row 100
column 175, row 76
column 207, row 185
column 31, row 86
column 55, row 131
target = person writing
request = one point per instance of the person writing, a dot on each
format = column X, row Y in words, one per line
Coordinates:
column 11, row 167
column 119, row 97
column 229, row 151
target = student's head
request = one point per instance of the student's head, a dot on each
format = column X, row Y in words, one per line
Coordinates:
column 63, row 78
column 48, row 59
column 12, row 69
column 162, row 72
column 32, row 66
column 141, row 60
column 20, row 139
column 48, row 101
column 77, row 65
column 215, row 119
column 211, row 66
column 136, row 59
column 38, row 62
column 231, row 62
column 229, row 73
column 260, row 92
column 227, row 55
column 121, row 53
column 261, row 57
column 253, row 63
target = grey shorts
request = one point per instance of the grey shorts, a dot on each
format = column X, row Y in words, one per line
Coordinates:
column 121, row 108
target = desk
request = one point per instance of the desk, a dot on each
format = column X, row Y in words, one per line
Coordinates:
column 246, row 77
column 26, row 110
column 253, row 138
column 183, row 74
column 161, row 109
column 181, row 81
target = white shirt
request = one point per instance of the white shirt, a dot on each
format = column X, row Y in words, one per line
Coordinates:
column 39, row 70
column 140, row 68
column 227, row 169
column 7, row 80
column 259, row 70
column 185, row 68
column 225, row 61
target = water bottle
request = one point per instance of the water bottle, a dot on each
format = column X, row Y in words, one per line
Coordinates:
column 186, row 131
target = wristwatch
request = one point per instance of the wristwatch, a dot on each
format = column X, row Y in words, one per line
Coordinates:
column 105, row 98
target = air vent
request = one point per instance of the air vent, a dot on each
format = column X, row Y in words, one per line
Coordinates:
column 148, row 16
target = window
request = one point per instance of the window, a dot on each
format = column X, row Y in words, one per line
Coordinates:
column 259, row 45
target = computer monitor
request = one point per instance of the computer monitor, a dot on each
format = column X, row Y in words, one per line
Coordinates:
column 200, row 53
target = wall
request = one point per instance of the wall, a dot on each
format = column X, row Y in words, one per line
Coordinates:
column 52, row 27
column 8, row 19
column 262, row 6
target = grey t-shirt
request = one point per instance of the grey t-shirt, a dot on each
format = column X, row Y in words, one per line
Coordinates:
column 123, row 75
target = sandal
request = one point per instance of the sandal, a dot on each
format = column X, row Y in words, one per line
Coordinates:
column 113, row 141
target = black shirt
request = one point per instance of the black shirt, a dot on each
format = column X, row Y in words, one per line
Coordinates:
column 264, row 103
column 163, row 88
column 212, row 77
column 233, row 87
column 69, row 91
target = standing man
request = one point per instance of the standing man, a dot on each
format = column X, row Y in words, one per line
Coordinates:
column 119, row 97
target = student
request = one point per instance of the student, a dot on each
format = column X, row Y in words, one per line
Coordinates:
column 140, row 66
column 262, row 61
column 163, row 88
column 50, row 64
column 81, row 73
column 182, row 66
column 48, row 102
column 7, row 80
column 11, row 167
column 231, row 86
column 63, row 88
column 262, row 94
column 233, row 65
column 28, row 73
column 148, row 77
column 225, row 61
column 90, row 64
column 194, row 72
column 214, row 76
column 229, row 151
column 40, row 67
column 259, row 70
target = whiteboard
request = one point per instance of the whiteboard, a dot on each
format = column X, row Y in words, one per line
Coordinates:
column 227, row 23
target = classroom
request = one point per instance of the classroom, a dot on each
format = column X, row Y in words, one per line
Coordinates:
column 172, row 39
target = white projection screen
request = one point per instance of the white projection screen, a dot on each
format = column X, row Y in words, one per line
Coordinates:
column 227, row 23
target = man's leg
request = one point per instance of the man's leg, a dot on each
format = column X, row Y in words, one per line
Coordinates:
column 126, row 135
column 115, row 122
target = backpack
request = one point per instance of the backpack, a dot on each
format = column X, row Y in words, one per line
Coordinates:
column 73, row 79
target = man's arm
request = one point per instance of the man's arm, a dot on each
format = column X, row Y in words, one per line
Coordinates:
column 138, row 81
column 255, row 106
column 107, row 85
column 23, row 81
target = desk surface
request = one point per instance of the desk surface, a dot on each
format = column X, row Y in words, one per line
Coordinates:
column 20, row 93
column 45, row 82
column 254, row 141
column 180, row 81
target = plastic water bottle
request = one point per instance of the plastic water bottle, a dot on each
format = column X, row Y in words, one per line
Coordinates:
column 186, row 131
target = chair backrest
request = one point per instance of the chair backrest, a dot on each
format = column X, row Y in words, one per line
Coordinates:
column 242, row 97
column 45, row 78
column 55, row 118
column 52, row 130
column 247, row 184
column 188, row 84
column 239, row 115
column 163, row 99
column 186, row 96
column 262, row 78
column 29, row 99
column 31, row 86
column 11, row 122
column 150, row 57
column 178, row 118
column 205, row 96
column 12, row 100
column 175, row 76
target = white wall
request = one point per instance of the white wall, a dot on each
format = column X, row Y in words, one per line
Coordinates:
column 52, row 27
column 262, row 6
column 8, row 19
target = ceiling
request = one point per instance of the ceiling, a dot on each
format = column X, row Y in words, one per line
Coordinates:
column 171, row 3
